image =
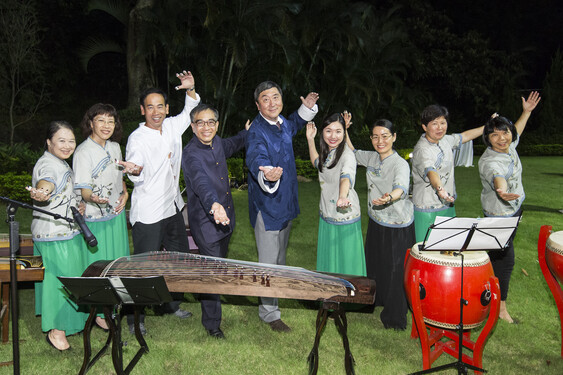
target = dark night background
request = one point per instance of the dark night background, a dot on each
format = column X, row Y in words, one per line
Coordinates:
column 376, row 58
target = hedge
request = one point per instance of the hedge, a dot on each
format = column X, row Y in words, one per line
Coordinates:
column 13, row 186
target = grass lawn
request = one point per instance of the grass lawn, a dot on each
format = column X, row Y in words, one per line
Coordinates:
column 183, row 347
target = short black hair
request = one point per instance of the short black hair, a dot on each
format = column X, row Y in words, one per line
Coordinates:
column 101, row 109
column 203, row 107
column 384, row 123
column 498, row 123
column 432, row 112
column 266, row 85
column 152, row 90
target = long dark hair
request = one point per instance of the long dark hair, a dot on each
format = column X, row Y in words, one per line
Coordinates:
column 101, row 109
column 323, row 147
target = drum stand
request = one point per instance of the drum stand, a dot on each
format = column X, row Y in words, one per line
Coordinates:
column 111, row 294
column 452, row 347
column 455, row 346
column 552, row 282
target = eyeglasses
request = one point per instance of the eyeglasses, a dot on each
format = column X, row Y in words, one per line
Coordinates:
column 384, row 137
column 201, row 123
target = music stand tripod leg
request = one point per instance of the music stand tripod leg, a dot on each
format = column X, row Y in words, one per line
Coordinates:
column 143, row 344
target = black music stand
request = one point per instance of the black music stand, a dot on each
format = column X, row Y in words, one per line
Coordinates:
column 466, row 234
column 112, row 293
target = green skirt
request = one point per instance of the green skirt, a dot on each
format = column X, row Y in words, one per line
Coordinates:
column 423, row 220
column 60, row 258
column 340, row 248
column 113, row 239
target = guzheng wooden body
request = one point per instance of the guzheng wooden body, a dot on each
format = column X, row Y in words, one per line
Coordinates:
column 191, row 273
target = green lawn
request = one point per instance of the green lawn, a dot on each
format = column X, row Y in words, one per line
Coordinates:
column 182, row 347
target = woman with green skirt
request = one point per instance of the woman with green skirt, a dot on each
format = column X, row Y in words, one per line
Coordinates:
column 99, row 178
column 60, row 244
column 340, row 247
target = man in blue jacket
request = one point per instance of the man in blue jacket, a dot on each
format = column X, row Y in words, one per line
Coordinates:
column 211, row 212
column 272, row 181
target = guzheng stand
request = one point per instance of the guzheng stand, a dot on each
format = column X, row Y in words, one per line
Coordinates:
column 336, row 311
column 112, row 293
column 552, row 282
column 463, row 234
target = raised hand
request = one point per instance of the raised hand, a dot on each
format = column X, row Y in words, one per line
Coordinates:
column 186, row 79
column 347, row 118
column 530, row 104
column 247, row 125
column 311, row 131
column 310, row 100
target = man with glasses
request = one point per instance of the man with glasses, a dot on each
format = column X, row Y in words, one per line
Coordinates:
column 153, row 157
column 211, row 212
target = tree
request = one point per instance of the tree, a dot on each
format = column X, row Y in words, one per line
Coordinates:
column 552, row 102
column 135, row 45
column 23, row 87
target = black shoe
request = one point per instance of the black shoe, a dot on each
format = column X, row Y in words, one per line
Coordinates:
column 216, row 333
column 279, row 326
column 141, row 328
column 182, row 314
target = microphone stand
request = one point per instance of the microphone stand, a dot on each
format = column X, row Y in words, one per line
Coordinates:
column 14, row 226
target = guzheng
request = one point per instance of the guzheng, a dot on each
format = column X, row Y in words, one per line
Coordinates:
column 192, row 273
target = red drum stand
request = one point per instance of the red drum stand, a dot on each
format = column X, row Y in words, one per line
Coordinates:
column 550, row 278
column 431, row 336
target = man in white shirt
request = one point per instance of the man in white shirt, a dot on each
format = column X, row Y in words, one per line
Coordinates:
column 155, row 149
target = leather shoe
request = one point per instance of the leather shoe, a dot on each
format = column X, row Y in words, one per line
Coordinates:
column 141, row 328
column 182, row 314
column 216, row 333
column 279, row 326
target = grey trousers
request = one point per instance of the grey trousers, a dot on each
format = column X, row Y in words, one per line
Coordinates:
column 272, row 246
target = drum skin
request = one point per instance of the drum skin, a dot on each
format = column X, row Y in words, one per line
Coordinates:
column 440, row 279
column 554, row 255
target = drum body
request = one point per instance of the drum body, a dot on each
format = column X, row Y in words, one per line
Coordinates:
column 554, row 254
column 440, row 286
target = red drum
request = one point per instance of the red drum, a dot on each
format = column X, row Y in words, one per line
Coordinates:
column 440, row 286
column 554, row 254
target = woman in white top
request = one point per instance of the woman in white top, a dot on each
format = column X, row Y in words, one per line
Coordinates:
column 340, row 246
column 500, row 170
column 99, row 178
column 391, row 228
column 60, row 244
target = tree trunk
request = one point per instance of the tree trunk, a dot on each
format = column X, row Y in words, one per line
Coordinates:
column 137, row 69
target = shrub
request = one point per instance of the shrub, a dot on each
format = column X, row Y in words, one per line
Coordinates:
column 305, row 168
column 13, row 186
column 19, row 158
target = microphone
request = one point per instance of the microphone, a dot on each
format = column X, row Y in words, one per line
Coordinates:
column 88, row 236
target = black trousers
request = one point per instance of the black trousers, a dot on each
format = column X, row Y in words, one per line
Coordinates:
column 503, row 264
column 168, row 234
column 211, row 303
